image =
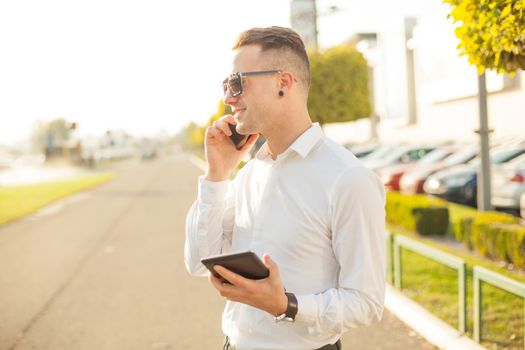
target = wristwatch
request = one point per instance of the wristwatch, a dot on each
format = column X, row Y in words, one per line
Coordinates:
column 291, row 309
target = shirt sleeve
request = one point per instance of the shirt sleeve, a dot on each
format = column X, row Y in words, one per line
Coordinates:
column 358, row 240
column 209, row 224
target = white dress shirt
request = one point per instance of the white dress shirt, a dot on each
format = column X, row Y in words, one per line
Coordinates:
column 319, row 213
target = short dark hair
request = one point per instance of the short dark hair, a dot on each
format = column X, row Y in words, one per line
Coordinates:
column 285, row 41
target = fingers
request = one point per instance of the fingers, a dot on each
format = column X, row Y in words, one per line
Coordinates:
column 223, row 126
column 232, row 277
column 218, row 283
column 214, row 134
column 220, row 129
column 228, row 118
column 271, row 265
column 226, row 290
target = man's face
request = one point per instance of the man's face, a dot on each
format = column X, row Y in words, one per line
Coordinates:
column 252, row 109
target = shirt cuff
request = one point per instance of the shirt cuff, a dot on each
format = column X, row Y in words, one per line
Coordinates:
column 307, row 309
column 211, row 192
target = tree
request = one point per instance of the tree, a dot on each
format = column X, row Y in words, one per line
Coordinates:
column 339, row 85
column 194, row 134
column 492, row 33
column 47, row 135
column 222, row 110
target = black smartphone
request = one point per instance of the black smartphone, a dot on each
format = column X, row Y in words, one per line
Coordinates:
column 246, row 264
column 237, row 139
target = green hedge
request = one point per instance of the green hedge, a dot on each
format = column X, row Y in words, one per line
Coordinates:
column 472, row 228
column 424, row 215
column 500, row 240
column 492, row 234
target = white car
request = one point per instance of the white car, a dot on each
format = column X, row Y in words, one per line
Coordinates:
column 508, row 183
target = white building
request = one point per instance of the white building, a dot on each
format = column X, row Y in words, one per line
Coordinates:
column 416, row 46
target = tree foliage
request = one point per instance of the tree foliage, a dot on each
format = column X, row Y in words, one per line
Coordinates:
column 194, row 134
column 491, row 33
column 52, row 133
column 339, row 85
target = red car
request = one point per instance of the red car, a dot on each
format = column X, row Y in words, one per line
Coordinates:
column 391, row 176
column 412, row 180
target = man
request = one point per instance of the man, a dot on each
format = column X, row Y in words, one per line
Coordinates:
column 304, row 203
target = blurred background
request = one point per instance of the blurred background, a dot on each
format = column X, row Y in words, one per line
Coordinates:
column 84, row 83
column 115, row 97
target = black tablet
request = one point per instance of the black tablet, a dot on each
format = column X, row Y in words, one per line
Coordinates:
column 246, row 264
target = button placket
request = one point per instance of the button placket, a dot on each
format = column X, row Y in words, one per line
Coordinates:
column 261, row 207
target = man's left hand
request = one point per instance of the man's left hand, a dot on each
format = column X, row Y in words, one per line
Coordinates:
column 265, row 294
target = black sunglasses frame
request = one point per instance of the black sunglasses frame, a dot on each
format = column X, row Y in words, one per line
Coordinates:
column 236, row 78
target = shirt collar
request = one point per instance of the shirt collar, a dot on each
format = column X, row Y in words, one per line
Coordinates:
column 308, row 139
column 302, row 145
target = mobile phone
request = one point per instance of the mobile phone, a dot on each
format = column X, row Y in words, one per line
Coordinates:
column 237, row 139
column 246, row 264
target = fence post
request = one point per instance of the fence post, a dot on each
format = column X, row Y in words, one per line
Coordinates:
column 389, row 265
column 477, row 307
column 462, row 298
column 397, row 265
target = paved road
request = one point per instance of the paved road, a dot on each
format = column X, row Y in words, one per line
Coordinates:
column 105, row 271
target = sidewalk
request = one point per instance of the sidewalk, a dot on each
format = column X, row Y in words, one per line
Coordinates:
column 107, row 272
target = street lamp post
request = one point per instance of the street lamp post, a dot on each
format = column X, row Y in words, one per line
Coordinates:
column 484, row 188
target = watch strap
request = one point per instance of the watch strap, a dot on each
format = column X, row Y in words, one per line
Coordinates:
column 291, row 310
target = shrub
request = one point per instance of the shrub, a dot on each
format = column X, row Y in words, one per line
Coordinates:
column 473, row 228
column 501, row 241
column 424, row 215
column 492, row 234
column 515, row 244
column 432, row 220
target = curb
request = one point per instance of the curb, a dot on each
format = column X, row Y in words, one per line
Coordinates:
column 433, row 329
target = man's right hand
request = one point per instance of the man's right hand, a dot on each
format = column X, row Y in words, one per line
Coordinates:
column 221, row 155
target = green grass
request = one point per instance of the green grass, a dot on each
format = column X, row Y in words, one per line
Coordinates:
column 434, row 286
column 19, row 201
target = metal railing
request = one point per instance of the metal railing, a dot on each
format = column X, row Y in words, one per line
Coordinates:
column 482, row 274
column 389, row 263
column 434, row 254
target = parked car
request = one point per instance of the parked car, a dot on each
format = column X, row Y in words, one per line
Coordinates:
column 396, row 155
column 508, row 183
column 390, row 176
column 459, row 183
column 413, row 179
column 362, row 150
column 380, row 152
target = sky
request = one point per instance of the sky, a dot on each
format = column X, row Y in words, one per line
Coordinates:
column 142, row 66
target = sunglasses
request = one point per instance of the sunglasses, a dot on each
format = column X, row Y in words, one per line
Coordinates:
column 234, row 82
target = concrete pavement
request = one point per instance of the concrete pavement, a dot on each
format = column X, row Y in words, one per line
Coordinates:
column 106, row 271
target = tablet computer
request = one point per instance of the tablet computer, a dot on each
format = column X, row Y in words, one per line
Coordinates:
column 246, row 264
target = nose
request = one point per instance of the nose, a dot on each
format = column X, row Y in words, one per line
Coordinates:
column 228, row 99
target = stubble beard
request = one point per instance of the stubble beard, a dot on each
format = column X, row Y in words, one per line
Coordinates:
column 245, row 127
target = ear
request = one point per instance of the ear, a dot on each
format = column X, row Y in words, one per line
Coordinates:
column 286, row 81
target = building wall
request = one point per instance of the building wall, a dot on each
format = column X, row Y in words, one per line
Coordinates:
column 446, row 85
